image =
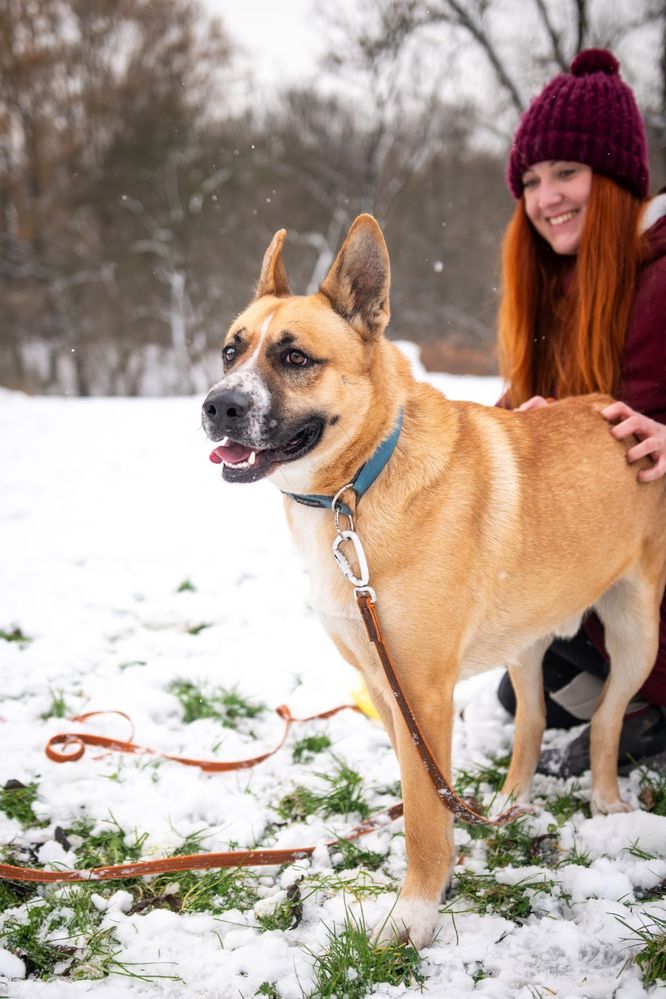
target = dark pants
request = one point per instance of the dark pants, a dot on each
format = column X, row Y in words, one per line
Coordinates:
column 565, row 658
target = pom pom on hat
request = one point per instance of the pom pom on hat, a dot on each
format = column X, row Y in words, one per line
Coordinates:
column 588, row 115
column 594, row 61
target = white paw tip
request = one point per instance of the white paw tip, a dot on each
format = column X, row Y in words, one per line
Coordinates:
column 410, row 921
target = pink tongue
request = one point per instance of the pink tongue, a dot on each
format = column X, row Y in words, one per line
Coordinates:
column 231, row 454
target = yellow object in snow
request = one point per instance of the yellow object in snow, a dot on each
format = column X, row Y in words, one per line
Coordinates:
column 361, row 699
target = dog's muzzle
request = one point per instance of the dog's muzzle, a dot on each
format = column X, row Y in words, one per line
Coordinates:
column 245, row 450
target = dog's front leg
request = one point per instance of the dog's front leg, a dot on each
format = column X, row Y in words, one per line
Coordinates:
column 428, row 825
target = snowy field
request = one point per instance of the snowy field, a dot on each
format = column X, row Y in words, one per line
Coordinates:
column 128, row 566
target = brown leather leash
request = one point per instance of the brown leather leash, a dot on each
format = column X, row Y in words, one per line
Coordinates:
column 194, row 861
column 79, row 741
column 448, row 797
column 365, row 599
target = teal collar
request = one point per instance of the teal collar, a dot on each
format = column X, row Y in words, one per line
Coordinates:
column 363, row 479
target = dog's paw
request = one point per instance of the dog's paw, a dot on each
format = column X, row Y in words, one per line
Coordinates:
column 603, row 806
column 411, row 921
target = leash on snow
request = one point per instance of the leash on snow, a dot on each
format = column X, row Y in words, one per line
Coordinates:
column 77, row 742
column 74, row 743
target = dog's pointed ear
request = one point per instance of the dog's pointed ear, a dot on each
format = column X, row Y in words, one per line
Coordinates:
column 273, row 277
column 357, row 285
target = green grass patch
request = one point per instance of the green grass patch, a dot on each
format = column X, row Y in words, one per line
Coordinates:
column 352, row 966
column 305, row 750
column 287, row 914
column 346, row 855
column 15, row 893
column 361, row 886
column 513, row 845
column 268, row 989
column 486, row 894
column 225, row 706
column 575, row 856
column 16, row 801
column 198, row 891
column 488, row 776
column 651, row 958
column 342, row 796
column 58, row 707
column 187, row 586
column 14, row 634
column 39, row 938
column 102, row 848
column 196, row 629
column 563, row 807
column 59, row 935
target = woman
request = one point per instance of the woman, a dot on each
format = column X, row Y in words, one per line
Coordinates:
column 584, row 309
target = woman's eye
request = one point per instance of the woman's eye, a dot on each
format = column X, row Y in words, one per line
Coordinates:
column 530, row 182
column 566, row 173
column 297, row 359
column 228, row 354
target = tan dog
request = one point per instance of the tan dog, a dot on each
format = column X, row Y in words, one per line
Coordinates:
column 487, row 532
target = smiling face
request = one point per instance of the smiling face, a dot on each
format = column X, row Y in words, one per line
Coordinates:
column 556, row 195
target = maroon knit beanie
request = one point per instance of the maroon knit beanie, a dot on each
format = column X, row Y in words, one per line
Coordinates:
column 588, row 115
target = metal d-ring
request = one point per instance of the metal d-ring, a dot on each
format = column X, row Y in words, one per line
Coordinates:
column 336, row 507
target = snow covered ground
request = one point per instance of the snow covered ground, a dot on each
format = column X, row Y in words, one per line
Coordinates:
column 107, row 508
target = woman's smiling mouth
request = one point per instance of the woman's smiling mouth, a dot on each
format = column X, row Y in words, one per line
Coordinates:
column 564, row 217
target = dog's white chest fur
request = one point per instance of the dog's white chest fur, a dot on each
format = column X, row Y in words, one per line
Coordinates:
column 331, row 595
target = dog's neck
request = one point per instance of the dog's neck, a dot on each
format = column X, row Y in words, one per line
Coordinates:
column 363, row 479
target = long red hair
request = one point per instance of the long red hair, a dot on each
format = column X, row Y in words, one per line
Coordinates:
column 563, row 320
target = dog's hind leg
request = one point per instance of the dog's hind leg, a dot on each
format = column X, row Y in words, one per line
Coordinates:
column 527, row 680
column 630, row 614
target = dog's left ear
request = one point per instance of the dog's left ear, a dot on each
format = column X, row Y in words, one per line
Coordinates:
column 357, row 285
column 273, row 277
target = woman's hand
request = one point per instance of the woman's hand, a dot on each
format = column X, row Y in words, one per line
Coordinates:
column 536, row 402
column 651, row 436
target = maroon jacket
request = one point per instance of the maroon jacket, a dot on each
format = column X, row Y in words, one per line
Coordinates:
column 643, row 387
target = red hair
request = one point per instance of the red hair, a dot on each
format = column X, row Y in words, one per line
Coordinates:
column 563, row 320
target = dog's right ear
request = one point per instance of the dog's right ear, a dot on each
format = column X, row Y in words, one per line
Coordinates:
column 357, row 285
column 273, row 277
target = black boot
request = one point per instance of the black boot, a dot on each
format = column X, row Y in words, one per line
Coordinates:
column 555, row 676
column 643, row 737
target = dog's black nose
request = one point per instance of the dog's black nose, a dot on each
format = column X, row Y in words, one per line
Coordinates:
column 227, row 404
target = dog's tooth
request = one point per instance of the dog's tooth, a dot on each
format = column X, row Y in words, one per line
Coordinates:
column 224, row 442
column 253, row 457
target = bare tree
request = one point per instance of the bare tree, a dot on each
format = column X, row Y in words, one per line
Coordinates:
column 94, row 95
column 523, row 42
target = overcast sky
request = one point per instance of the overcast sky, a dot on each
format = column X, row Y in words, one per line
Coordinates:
column 280, row 39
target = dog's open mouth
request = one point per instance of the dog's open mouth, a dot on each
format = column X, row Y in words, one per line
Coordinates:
column 242, row 463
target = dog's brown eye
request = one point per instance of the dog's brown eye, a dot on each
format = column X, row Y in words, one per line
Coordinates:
column 297, row 359
column 228, row 353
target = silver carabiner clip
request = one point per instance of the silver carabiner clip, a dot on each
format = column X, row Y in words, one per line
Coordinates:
column 345, row 566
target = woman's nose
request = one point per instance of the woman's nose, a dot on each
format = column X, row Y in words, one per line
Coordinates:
column 549, row 195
